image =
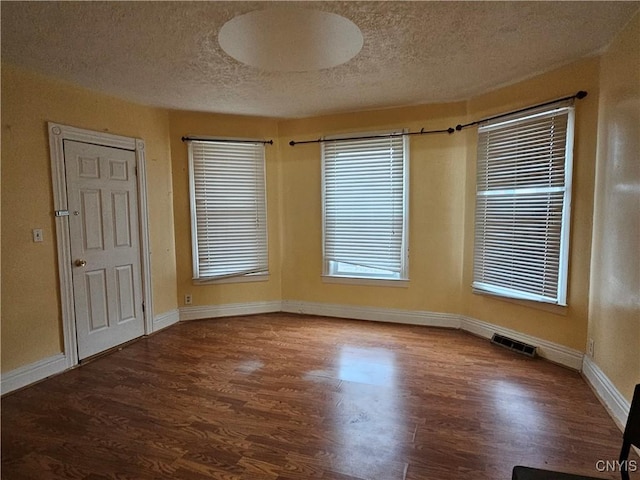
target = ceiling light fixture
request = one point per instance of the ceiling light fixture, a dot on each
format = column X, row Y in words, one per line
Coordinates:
column 291, row 39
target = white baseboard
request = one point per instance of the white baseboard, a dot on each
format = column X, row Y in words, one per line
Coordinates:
column 166, row 319
column 229, row 310
column 551, row 351
column 608, row 393
column 429, row 319
column 28, row 374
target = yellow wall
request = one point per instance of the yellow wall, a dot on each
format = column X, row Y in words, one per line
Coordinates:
column 436, row 191
column 442, row 196
column 565, row 326
column 202, row 124
column 442, row 183
column 614, row 316
column 31, row 311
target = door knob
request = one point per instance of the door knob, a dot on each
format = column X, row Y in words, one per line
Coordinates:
column 81, row 263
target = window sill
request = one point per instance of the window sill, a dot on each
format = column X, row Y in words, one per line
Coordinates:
column 242, row 279
column 547, row 307
column 374, row 282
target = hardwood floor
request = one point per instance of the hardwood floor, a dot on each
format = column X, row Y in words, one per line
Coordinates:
column 285, row 397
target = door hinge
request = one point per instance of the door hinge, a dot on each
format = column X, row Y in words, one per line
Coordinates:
column 135, row 170
column 142, row 307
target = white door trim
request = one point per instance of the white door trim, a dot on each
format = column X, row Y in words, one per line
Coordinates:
column 57, row 134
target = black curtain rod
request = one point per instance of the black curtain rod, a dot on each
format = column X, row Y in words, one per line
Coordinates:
column 369, row 137
column 224, row 140
column 580, row 95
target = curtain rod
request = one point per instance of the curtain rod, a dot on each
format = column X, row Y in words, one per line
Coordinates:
column 580, row 95
column 368, row 137
column 224, row 140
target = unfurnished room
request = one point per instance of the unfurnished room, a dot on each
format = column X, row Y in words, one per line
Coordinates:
column 341, row 240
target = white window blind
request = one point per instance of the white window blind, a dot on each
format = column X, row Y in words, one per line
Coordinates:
column 228, row 209
column 523, row 198
column 365, row 213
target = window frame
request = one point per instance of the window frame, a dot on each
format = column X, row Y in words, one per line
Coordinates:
column 330, row 273
column 560, row 299
column 240, row 277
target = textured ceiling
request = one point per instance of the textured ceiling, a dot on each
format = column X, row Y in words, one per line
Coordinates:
column 167, row 53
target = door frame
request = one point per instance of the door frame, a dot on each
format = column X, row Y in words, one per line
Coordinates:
column 57, row 134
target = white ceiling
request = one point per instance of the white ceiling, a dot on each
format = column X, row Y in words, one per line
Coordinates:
column 167, row 53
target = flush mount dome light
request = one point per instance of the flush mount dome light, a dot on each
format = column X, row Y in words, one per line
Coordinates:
column 289, row 39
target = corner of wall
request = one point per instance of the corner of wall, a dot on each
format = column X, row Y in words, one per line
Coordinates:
column 614, row 301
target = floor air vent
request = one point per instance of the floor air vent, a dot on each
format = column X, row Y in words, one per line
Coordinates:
column 514, row 345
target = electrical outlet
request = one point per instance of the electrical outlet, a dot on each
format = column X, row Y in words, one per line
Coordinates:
column 590, row 345
column 37, row 234
column 187, row 299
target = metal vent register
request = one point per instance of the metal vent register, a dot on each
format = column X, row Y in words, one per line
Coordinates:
column 515, row 345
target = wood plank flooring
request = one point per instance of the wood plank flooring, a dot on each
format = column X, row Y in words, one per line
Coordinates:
column 285, row 397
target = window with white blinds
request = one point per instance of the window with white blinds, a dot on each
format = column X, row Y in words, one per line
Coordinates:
column 365, row 210
column 523, row 198
column 228, row 209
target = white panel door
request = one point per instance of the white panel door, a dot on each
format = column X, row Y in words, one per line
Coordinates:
column 105, row 248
